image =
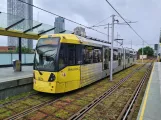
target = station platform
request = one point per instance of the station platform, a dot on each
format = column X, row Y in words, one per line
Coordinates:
column 151, row 105
column 8, row 74
column 13, row 83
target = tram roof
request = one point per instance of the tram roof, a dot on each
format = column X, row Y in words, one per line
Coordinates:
column 72, row 38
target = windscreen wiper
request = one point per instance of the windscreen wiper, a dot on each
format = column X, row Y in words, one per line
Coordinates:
column 38, row 71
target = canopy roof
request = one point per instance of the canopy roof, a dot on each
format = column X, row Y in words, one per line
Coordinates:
column 15, row 26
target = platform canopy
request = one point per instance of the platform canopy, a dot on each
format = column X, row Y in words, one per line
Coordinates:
column 15, row 26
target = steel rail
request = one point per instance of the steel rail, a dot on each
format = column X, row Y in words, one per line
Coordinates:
column 16, row 100
column 80, row 114
column 127, row 109
column 32, row 109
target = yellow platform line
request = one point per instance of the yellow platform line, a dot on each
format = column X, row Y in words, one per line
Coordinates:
column 146, row 96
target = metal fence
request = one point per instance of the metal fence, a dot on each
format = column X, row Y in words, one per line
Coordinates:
column 7, row 58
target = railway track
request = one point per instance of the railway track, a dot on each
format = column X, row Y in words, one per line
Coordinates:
column 128, row 110
column 16, row 113
column 32, row 109
column 50, row 101
column 80, row 114
column 17, row 100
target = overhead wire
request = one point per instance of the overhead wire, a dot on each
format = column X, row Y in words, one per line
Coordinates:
column 62, row 17
column 101, row 21
column 124, row 18
column 126, row 21
column 114, row 23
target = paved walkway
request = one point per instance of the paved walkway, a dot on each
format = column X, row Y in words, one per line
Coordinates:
column 8, row 74
column 151, row 105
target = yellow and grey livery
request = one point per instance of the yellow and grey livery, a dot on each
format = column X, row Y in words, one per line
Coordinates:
column 65, row 62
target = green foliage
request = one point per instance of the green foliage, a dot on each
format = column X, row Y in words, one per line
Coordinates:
column 146, row 51
column 24, row 50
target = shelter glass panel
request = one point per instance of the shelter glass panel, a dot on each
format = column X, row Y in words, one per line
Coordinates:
column 8, row 19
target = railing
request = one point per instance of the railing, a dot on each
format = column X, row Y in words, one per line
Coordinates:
column 7, row 58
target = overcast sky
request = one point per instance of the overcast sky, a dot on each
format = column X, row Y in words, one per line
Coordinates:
column 89, row 12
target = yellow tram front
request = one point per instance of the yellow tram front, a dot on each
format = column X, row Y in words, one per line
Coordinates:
column 51, row 72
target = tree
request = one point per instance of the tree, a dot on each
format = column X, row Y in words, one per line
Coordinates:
column 146, row 51
column 24, row 50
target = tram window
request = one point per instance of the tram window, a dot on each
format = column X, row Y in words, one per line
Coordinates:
column 119, row 55
column 115, row 55
column 127, row 54
column 79, row 54
column 131, row 54
column 72, row 54
column 88, row 55
column 133, row 58
column 122, row 54
column 109, row 55
column 97, row 55
column 63, row 56
column 105, row 59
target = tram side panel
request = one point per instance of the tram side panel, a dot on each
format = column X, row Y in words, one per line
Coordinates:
column 90, row 73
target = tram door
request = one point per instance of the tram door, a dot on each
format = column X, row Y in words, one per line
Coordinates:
column 124, row 58
column 119, row 57
column 105, row 58
column 128, row 54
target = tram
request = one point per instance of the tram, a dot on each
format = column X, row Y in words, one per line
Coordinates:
column 65, row 62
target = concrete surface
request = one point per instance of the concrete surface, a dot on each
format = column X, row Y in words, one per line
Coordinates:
column 8, row 74
column 151, row 105
column 13, row 83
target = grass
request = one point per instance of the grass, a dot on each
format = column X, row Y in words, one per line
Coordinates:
column 81, row 102
column 48, row 109
column 9, row 99
column 21, row 108
column 67, row 99
column 14, row 105
column 2, row 110
column 111, row 107
column 138, row 104
column 6, row 114
column 60, row 104
column 52, row 118
column 31, row 102
column 96, row 113
column 36, row 116
column 72, row 108
column 63, row 114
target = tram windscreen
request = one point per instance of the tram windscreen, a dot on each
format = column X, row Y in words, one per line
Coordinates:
column 46, row 54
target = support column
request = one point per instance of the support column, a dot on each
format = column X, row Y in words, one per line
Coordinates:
column 20, row 52
column 112, row 40
column 108, row 32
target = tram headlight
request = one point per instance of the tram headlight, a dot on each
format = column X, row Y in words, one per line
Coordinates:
column 51, row 78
